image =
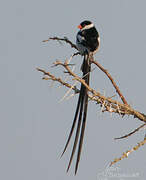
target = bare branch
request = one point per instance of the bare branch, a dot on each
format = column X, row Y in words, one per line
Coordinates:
column 96, row 96
column 57, row 79
column 111, row 79
column 65, row 39
column 126, row 154
column 127, row 135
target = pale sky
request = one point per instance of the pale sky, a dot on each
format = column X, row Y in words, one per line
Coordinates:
column 34, row 126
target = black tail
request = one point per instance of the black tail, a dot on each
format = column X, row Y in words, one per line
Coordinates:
column 81, row 113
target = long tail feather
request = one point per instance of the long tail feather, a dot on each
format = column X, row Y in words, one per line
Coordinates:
column 75, row 118
column 73, row 125
column 83, row 126
column 78, row 126
column 86, row 70
column 81, row 110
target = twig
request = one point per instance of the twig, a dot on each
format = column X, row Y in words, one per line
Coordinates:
column 111, row 79
column 127, row 135
column 57, row 79
column 65, row 39
column 74, row 85
column 126, row 154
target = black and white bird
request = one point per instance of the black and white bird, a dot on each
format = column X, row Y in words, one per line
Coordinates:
column 87, row 38
column 87, row 42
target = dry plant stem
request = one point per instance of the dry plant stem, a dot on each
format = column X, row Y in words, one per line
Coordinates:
column 126, row 154
column 62, row 39
column 127, row 135
column 111, row 79
column 110, row 105
column 57, row 79
column 125, row 109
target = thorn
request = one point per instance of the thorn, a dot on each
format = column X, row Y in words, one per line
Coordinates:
column 68, row 92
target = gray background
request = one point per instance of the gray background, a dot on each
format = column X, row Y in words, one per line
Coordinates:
column 34, row 126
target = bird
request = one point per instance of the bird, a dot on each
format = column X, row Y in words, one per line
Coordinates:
column 87, row 42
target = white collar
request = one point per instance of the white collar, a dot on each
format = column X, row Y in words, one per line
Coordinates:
column 87, row 27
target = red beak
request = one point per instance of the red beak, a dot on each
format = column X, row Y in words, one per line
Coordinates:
column 79, row 26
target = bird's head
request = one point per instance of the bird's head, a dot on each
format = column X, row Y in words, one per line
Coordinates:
column 85, row 25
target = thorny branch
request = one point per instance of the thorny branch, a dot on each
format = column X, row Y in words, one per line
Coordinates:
column 52, row 77
column 110, row 104
column 107, row 104
column 65, row 39
column 112, row 81
column 126, row 154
